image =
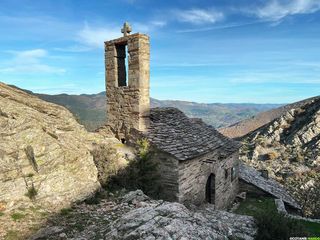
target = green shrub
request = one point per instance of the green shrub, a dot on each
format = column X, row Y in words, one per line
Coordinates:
column 261, row 141
column 300, row 157
column 141, row 173
column 65, row 211
column 31, row 192
column 17, row 216
column 272, row 225
column 148, row 178
column 12, row 235
column 312, row 227
column 307, row 196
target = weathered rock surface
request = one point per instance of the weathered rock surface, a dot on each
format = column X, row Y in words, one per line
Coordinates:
column 45, row 155
column 288, row 145
column 138, row 217
column 289, row 149
column 42, row 145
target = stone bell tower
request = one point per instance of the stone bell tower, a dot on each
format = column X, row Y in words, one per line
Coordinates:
column 127, row 62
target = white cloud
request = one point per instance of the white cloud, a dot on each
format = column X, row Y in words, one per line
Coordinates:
column 31, row 54
column 158, row 23
column 36, row 27
column 276, row 10
column 141, row 27
column 29, row 61
column 198, row 16
column 217, row 27
column 95, row 36
column 73, row 49
column 148, row 27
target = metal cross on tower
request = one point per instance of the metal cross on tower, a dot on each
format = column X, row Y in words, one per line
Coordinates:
column 126, row 30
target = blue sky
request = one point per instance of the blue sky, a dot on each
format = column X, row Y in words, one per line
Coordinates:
column 262, row 51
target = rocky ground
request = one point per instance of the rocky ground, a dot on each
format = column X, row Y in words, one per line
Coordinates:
column 20, row 222
column 136, row 216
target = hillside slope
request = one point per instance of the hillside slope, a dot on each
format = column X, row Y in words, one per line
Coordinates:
column 246, row 126
column 289, row 146
column 45, row 159
column 91, row 109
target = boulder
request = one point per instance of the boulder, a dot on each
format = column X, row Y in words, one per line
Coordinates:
column 145, row 218
column 166, row 220
column 45, row 154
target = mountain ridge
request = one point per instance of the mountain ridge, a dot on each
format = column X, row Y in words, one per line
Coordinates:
column 90, row 109
column 242, row 128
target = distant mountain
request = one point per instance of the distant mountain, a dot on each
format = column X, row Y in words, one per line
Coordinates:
column 90, row 109
column 246, row 126
column 216, row 114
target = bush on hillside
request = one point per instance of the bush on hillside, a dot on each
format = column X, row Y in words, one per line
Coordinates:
column 306, row 194
column 141, row 173
column 108, row 162
column 272, row 225
column 262, row 141
column 272, row 155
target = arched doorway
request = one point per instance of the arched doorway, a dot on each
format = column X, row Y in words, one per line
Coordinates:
column 210, row 188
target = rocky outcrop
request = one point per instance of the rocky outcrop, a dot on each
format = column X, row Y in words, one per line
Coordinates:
column 136, row 216
column 288, row 145
column 45, row 155
column 42, row 150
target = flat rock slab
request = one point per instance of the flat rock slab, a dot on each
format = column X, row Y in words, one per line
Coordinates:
column 136, row 216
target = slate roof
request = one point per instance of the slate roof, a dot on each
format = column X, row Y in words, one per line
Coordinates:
column 252, row 176
column 185, row 138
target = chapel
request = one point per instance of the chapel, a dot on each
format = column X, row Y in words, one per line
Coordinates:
column 197, row 164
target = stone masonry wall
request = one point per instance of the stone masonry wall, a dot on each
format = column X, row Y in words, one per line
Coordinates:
column 226, row 189
column 168, row 170
column 193, row 176
column 128, row 103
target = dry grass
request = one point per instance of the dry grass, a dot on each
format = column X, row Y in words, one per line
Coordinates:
column 272, row 155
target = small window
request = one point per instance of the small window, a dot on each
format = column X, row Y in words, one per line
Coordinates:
column 233, row 173
column 226, row 173
column 122, row 65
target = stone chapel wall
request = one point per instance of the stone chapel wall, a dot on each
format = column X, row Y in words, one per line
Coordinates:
column 193, row 176
column 168, row 170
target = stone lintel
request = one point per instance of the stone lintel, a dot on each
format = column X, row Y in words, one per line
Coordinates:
column 124, row 40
